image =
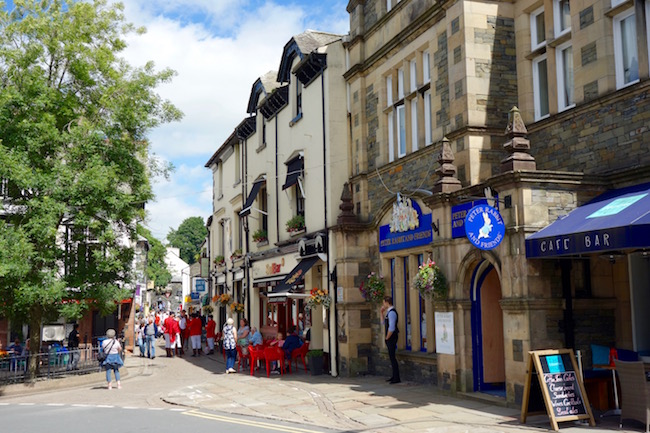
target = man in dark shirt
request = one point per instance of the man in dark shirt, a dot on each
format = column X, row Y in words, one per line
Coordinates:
column 291, row 342
column 73, row 347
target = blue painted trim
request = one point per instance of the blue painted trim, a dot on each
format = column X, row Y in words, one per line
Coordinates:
column 477, row 332
column 392, row 279
column 422, row 348
column 407, row 314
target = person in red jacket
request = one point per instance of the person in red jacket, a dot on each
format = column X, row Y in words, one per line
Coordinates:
column 209, row 333
column 195, row 327
column 170, row 334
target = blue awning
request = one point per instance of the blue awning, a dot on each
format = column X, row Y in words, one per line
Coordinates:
column 616, row 220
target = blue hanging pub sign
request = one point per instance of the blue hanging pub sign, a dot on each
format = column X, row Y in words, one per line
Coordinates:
column 408, row 227
column 484, row 227
column 458, row 214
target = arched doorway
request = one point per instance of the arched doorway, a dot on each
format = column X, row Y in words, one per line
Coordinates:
column 487, row 331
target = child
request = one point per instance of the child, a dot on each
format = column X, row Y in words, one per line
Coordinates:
column 278, row 341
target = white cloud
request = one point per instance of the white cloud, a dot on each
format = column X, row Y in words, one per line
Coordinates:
column 218, row 48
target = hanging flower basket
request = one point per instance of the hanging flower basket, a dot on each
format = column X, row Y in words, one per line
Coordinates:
column 373, row 288
column 237, row 307
column 223, row 299
column 208, row 309
column 319, row 297
column 430, row 281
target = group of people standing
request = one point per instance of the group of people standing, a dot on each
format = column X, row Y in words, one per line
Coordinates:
column 180, row 330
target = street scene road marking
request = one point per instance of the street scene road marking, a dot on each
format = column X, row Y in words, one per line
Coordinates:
column 264, row 425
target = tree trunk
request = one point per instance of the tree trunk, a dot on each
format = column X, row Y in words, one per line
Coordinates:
column 34, row 345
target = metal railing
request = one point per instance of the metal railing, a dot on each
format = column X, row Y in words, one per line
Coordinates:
column 56, row 362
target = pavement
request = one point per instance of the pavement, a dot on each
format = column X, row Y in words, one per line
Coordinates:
column 362, row 404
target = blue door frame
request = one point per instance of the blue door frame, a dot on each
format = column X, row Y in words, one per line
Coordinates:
column 477, row 330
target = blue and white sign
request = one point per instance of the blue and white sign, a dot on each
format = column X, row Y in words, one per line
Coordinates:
column 195, row 296
column 458, row 215
column 199, row 285
column 407, row 229
column 484, row 227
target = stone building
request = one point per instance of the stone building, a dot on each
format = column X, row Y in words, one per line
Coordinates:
column 289, row 162
column 432, row 86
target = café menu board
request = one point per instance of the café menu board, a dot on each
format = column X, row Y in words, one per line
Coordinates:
column 558, row 388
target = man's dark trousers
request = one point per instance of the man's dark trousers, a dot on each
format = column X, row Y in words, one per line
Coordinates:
column 391, row 344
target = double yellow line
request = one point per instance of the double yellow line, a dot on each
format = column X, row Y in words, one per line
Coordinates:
column 264, row 425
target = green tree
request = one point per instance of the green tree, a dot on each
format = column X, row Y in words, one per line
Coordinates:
column 157, row 270
column 74, row 158
column 188, row 238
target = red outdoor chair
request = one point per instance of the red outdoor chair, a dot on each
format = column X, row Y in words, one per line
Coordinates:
column 241, row 357
column 301, row 353
column 274, row 354
column 256, row 354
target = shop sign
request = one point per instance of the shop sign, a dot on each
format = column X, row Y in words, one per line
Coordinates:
column 195, row 296
column 407, row 229
column 277, row 299
column 458, row 214
column 199, row 285
column 484, row 227
column 274, row 268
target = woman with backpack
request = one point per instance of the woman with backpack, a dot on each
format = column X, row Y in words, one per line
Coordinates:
column 112, row 348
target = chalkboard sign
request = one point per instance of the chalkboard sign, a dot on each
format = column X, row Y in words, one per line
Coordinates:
column 559, row 386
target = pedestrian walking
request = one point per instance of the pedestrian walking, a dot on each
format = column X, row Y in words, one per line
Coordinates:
column 150, row 333
column 392, row 332
column 140, row 337
column 112, row 347
column 195, row 326
column 230, row 344
column 73, row 347
column 209, row 333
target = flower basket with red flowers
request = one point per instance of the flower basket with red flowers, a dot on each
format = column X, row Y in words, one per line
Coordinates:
column 373, row 288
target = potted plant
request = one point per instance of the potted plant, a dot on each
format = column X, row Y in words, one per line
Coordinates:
column 318, row 297
column 373, row 288
column 223, row 299
column 237, row 307
column 219, row 260
column 315, row 358
column 296, row 224
column 236, row 255
column 260, row 236
column 430, row 281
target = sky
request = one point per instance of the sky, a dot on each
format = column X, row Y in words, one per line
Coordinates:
column 218, row 48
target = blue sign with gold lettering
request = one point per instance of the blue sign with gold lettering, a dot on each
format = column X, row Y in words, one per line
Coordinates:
column 408, row 228
column 484, row 227
column 458, row 214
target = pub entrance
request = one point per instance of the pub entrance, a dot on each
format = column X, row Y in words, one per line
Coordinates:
column 487, row 331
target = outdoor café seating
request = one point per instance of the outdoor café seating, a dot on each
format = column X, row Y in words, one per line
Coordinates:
column 300, row 353
column 635, row 392
column 256, row 354
column 241, row 357
column 275, row 354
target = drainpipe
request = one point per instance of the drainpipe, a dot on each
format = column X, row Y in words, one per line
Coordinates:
column 277, row 191
column 244, row 162
column 333, row 356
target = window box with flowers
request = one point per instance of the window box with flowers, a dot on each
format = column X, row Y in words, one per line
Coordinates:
column 373, row 288
column 260, row 236
column 236, row 255
column 222, row 300
column 220, row 260
column 296, row 224
column 237, row 307
column 318, row 297
column 430, row 281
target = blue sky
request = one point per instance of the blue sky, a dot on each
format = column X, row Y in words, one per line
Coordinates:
column 219, row 48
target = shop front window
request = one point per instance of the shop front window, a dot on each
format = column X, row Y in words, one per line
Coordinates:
column 407, row 309
column 423, row 315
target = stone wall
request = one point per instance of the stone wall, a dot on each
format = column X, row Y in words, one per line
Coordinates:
column 610, row 133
